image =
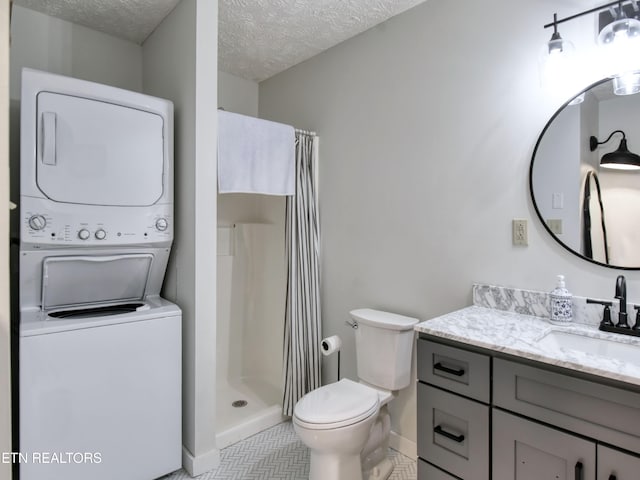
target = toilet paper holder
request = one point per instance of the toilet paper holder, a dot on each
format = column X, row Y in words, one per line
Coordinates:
column 332, row 345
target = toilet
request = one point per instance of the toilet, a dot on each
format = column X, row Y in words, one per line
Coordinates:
column 346, row 424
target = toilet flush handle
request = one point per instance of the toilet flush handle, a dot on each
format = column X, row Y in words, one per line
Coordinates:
column 352, row 323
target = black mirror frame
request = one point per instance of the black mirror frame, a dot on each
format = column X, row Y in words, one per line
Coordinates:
column 533, row 198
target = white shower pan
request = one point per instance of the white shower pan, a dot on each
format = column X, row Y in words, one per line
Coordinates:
column 250, row 327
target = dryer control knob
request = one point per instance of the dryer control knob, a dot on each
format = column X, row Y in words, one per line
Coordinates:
column 162, row 224
column 84, row 234
column 37, row 222
column 100, row 234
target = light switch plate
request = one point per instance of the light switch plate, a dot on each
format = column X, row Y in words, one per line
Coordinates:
column 555, row 225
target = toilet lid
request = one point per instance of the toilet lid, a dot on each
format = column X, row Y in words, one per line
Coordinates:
column 337, row 404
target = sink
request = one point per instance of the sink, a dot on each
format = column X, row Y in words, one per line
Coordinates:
column 570, row 341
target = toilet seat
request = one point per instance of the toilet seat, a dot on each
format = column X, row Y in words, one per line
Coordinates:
column 336, row 405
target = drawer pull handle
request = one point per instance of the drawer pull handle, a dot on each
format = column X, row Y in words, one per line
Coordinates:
column 578, row 471
column 451, row 371
column 612, row 477
column 450, row 436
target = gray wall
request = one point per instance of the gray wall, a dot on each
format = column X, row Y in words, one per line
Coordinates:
column 427, row 125
column 53, row 45
column 179, row 63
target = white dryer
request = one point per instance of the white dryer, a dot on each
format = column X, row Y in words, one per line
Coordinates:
column 96, row 166
column 99, row 349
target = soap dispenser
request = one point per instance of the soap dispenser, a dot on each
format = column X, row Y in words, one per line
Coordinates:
column 561, row 304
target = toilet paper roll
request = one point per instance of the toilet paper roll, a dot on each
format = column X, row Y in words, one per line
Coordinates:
column 330, row 345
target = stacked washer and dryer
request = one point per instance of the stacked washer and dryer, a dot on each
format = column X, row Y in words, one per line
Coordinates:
column 99, row 349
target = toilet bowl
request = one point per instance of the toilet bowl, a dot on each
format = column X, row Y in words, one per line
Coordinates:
column 334, row 421
column 346, row 424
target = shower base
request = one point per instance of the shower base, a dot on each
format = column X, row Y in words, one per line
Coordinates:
column 263, row 409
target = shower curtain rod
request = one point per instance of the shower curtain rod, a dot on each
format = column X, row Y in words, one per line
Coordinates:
column 306, row 132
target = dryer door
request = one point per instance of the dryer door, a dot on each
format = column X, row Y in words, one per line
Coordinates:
column 98, row 153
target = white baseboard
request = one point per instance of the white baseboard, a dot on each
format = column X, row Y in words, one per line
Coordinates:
column 202, row 463
column 403, row 445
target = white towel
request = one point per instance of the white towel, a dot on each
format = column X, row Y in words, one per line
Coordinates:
column 255, row 156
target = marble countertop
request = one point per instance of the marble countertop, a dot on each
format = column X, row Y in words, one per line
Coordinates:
column 519, row 335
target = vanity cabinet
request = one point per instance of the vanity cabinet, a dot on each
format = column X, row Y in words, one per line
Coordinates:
column 541, row 423
column 616, row 465
column 526, row 450
column 453, row 413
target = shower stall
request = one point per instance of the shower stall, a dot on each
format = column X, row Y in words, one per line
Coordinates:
column 251, row 278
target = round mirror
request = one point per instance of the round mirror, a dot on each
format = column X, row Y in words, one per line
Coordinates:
column 585, row 176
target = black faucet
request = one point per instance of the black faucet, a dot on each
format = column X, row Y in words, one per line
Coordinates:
column 621, row 294
column 622, row 326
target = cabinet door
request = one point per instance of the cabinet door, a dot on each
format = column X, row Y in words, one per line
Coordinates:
column 615, row 465
column 525, row 450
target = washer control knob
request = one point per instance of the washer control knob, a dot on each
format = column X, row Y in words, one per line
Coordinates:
column 84, row 234
column 37, row 222
column 162, row 224
column 100, row 234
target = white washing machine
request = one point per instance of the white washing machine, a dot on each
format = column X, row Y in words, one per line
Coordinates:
column 100, row 393
column 99, row 349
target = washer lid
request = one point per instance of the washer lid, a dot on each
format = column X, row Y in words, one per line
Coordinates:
column 75, row 280
column 337, row 404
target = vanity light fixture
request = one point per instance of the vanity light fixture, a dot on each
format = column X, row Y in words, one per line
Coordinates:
column 557, row 45
column 622, row 29
column 620, row 159
column 626, row 84
column 619, row 32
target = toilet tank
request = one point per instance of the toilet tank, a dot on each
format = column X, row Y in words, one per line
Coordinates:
column 384, row 342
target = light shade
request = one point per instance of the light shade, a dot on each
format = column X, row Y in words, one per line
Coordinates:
column 626, row 84
column 620, row 30
column 620, row 159
column 577, row 100
column 557, row 65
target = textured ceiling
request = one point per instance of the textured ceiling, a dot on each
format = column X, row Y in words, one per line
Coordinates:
column 132, row 20
column 256, row 38
column 259, row 38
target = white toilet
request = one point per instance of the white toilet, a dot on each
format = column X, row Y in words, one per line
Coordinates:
column 346, row 424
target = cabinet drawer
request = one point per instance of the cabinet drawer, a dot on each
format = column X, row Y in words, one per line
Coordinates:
column 460, row 371
column 525, row 450
column 615, row 465
column 609, row 414
column 429, row 472
column 453, row 433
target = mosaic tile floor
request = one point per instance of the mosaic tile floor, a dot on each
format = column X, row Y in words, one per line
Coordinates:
column 277, row 454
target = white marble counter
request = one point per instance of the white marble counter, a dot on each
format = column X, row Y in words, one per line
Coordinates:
column 518, row 334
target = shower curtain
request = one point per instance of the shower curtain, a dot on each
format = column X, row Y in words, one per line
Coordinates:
column 302, row 312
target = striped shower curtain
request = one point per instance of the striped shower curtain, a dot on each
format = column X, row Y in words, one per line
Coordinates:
column 302, row 314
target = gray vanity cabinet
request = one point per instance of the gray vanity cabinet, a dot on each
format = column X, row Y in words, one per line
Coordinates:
column 453, row 413
column 541, row 423
column 526, row 450
column 616, row 465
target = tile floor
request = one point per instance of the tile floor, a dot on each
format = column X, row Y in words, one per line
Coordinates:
column 277, row 454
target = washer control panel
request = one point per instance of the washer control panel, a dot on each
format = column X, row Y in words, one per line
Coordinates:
column 94, row 226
